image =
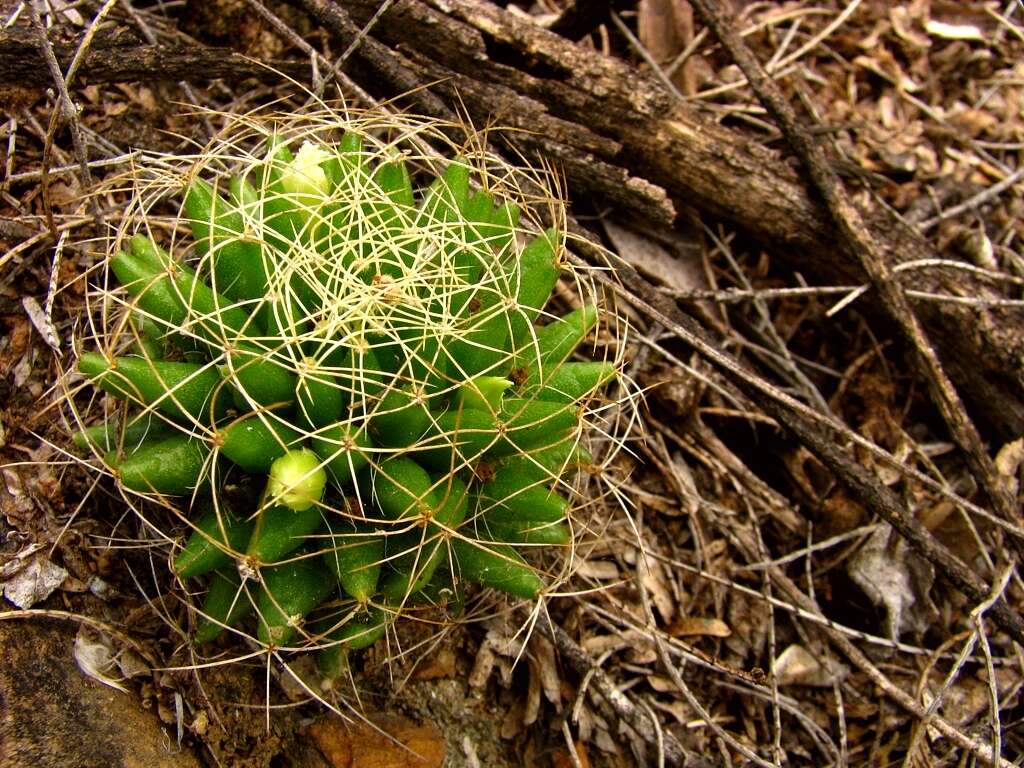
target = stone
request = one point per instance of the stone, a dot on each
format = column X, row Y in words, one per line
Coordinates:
column 53, row 716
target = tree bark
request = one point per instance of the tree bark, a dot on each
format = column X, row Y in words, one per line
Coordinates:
column 120, row 57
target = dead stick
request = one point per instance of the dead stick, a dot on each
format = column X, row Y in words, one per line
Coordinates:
column 382, row 59
column 821, row 438
column 848, row 221
column 22, row 61
column 620, row 703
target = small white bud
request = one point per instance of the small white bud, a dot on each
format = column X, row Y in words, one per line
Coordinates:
column 304, row 175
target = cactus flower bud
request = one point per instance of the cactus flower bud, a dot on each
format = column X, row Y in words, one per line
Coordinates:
column 297, row 480
column 304, row 176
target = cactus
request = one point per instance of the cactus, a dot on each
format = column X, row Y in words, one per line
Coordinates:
column 370, row 343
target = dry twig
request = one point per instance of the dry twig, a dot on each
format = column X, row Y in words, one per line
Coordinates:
column 863, row 245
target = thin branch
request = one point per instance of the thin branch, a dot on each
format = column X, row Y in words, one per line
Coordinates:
column 69, row 113
column 847, row 220
column 978, row 200
column 823, row 436
column 624, row 708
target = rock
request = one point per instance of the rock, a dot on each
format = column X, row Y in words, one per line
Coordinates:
column 53, row 716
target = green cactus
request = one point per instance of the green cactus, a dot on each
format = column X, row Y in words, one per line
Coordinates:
column 367, row 343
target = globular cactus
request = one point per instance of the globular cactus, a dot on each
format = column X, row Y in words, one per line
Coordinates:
column 367, row 342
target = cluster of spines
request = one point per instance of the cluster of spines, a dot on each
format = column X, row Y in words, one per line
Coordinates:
column 375, row 357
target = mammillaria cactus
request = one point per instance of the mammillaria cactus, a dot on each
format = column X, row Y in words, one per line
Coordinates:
column 360, row 332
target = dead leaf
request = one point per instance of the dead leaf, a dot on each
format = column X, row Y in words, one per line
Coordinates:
column 689, row 495
column 684, row 274
column 798, row 666
column 696, row 625
column 532, row 708
column 642, row 653
column 661, row 683
column 98, row 659
column 933, row 516
column 501, row 648
column 606, row 742
column 543, row 655
column 30, row 578
column 656, row 28
column 586, row 723
column 41, row 321
column 94, row 660
column 385, row 742
column 652, row 576
column 1009, row 461
column 897, row 579
column 598, row 645
column 750, row 620
column 665, row 28
column 66, row 193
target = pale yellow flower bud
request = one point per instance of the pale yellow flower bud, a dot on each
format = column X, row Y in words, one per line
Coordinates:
column 304, row 176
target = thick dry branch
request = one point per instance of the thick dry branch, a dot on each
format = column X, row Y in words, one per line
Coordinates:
column 581, row 160
column 602, row 112
column 121, row 58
